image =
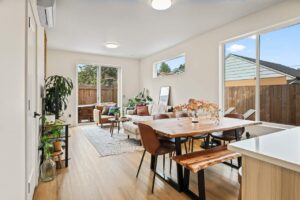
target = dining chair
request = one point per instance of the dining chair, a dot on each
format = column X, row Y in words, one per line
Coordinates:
column 184, row 140
column 228, row 136
column 153, row 146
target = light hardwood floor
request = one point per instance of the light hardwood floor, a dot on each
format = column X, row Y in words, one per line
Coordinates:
column 90, row 177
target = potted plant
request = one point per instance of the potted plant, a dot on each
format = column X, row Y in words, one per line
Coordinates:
column 48, row 167
column 58, row 88
column 142, row 98
column 56, row 133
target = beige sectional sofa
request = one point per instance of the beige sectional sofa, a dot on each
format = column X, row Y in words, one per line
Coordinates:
column 132, row 130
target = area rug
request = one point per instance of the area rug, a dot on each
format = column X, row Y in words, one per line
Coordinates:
column 106, row 145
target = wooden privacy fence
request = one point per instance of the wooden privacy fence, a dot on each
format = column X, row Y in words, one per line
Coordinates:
column 88, row 94
column 278, row 103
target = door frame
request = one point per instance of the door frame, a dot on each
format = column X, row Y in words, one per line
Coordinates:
column 33, row 176
column 120, row 84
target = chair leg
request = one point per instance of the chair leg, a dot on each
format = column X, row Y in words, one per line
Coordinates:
column 170, row 163
column 185, row 148
column 154, row 173
column 164, row 164
column 137, row 174
column 192, row 145
column 201, row 185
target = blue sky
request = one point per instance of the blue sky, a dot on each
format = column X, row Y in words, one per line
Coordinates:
column 280, row 46
column 174, row 63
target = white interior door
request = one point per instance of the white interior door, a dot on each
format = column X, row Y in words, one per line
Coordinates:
column 31, row 97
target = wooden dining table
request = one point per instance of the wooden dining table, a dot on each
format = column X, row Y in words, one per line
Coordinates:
column 184, row 127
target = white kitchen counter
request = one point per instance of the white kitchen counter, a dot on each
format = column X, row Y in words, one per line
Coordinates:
column 281, row 148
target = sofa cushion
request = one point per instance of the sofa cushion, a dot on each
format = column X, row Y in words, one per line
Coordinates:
column 136, row 118
column 142, row 110
column 104, row 118
column 131, row 127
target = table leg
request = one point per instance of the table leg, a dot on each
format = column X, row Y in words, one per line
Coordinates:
column 119, row 127
column 179, row 167
column 237, row 138
column 112, row 129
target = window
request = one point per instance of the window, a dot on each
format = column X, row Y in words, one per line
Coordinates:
column 270, row 84
column 169, row 67
column 240, row 76
column 96, row 84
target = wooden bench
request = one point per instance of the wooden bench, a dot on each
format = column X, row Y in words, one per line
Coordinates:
column 198, row 161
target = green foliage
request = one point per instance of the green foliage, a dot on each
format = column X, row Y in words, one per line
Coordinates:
column 109, row 76
column 182, row 67
column 47, row 146
column 58, row 89
column 87, row 75
column 142, row 98
column 164, row 68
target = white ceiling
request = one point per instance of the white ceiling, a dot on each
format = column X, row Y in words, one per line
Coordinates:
column 85, row 25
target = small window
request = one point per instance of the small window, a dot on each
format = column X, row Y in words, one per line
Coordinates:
column 169, row 67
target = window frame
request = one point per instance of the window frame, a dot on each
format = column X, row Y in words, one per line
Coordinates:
column 222, row 51
column 165, row 60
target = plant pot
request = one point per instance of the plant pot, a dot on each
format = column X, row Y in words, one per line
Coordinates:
column 57, row 146
column 50, row 119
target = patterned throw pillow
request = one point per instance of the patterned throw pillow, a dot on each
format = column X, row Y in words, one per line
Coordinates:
column 113, row 110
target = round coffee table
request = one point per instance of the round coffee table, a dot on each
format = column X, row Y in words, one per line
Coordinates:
column 116, row 122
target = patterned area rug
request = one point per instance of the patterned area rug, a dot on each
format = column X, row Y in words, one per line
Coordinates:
column 107, row 145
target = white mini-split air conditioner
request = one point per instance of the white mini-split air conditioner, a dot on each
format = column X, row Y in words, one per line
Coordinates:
column 46, row 10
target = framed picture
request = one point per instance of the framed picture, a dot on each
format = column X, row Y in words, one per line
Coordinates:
column 164, row 95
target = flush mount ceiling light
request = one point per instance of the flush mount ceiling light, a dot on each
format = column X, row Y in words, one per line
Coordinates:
column 161, row 4
column 112, row 45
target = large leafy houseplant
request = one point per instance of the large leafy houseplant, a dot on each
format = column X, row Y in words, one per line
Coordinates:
column 142, row 98
column 58, row 88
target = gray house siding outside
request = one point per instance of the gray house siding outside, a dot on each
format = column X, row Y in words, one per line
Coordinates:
column 237, row 68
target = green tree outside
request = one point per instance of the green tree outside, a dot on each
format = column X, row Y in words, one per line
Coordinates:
column 164, row 68
column 87, row 75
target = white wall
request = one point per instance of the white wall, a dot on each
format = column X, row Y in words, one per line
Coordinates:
column 201, row 79
column 12, row 101
column 64, row 63
column 12, row 86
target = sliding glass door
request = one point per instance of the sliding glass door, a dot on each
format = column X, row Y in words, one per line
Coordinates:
column 262, row 73
column 240, row 77
column 109, row 84
column 96, row 84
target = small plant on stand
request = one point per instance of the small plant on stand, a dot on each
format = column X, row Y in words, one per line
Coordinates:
column 48, row 167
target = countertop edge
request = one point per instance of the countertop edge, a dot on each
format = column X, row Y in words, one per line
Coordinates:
column 265, row 158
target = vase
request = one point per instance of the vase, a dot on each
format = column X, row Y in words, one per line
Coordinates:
column 195, row 118
column 48, row 170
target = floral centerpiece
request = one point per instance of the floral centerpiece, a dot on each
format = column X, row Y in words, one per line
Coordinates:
column 200, row 107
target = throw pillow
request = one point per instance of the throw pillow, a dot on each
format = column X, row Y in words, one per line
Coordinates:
column 105, row 110
column 113, row 110
column 142, row 110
